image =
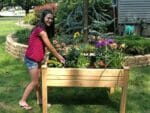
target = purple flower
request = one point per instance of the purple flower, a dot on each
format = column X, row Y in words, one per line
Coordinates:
column 110, row 41
column 98, row 44
column 104, row 43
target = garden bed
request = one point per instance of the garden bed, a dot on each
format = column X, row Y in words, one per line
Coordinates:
column 17, row 50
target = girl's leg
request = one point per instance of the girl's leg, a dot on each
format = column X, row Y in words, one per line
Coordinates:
column 38, row 91
column 39, row 95
column 35, row 82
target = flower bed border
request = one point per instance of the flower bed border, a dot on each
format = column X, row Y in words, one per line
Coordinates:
column 17, row 50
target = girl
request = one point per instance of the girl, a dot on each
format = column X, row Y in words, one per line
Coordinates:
column 39, row 38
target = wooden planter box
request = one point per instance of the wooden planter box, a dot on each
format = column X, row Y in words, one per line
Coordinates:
column 79, row 77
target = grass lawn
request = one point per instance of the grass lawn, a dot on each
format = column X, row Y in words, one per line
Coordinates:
column 14, row 78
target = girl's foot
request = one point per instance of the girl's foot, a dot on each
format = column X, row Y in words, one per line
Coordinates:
column 24, row 105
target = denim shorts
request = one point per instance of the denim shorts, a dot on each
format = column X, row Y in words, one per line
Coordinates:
column 30, row 63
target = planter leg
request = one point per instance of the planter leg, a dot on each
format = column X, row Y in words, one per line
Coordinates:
column 112, row 90
column 44, row 91
column 123, row 100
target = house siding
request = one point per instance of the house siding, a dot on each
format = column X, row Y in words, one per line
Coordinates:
column 132, row 11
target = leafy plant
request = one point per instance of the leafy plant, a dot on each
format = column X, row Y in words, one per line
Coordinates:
column 31, row 18
column 53, row 62
column 69, row 17
column 136, row 45
column 72, row 57
column 109, row 54
column 86, row 48
column 83, row 61
column 22, row 35
column 67, row 39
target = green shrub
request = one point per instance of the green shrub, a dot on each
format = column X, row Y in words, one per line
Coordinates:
column 31, row 18
column 22, row 35
column 67, row 39
column 69, row 17
column 136, row 45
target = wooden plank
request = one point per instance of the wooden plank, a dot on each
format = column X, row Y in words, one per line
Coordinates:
column 81, row 83
column 85, row 72
column 100, row 78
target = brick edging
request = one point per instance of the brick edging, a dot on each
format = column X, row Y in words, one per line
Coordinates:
column 17, row 50
column 138, row 60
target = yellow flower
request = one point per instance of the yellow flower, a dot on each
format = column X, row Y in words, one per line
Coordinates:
column 122, row 46
column 113, row 46
column 76, row 35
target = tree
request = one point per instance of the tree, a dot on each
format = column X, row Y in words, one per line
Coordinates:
column 1, row 4
column 28, row 4
column 4, row 3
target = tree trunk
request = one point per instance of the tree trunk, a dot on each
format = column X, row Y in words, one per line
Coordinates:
column 1, row 7
column 85, row 17
column 27, row 11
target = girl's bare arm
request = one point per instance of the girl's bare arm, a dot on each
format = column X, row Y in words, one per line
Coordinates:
column 51, row 48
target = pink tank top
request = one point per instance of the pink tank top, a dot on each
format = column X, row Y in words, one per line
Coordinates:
column 36, row 47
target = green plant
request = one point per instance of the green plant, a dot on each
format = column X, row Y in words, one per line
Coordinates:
column 31, row 18
column 67, row 39
column 86, row 48
column 70, row 18
column 109, row 54
column 136, row 45
column 22, row 35
column 74, row 58
column 83, row 61
column 53, row 62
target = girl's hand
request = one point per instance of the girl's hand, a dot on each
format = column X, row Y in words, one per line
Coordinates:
column 61, row 59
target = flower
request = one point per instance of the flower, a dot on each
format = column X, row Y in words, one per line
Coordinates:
column 55, row 42
column 76, row 35
column 109, row 54
column 122, row 46
column 113, row 46
column 77, row 38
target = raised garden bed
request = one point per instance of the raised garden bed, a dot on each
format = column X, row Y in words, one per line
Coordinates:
column 82, row 77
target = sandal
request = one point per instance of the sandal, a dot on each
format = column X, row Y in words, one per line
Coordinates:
column 25, row 106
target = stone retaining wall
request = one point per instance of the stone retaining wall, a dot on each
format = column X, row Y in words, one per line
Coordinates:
column 15, row 49
column 18, row 50
column 139, row 60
